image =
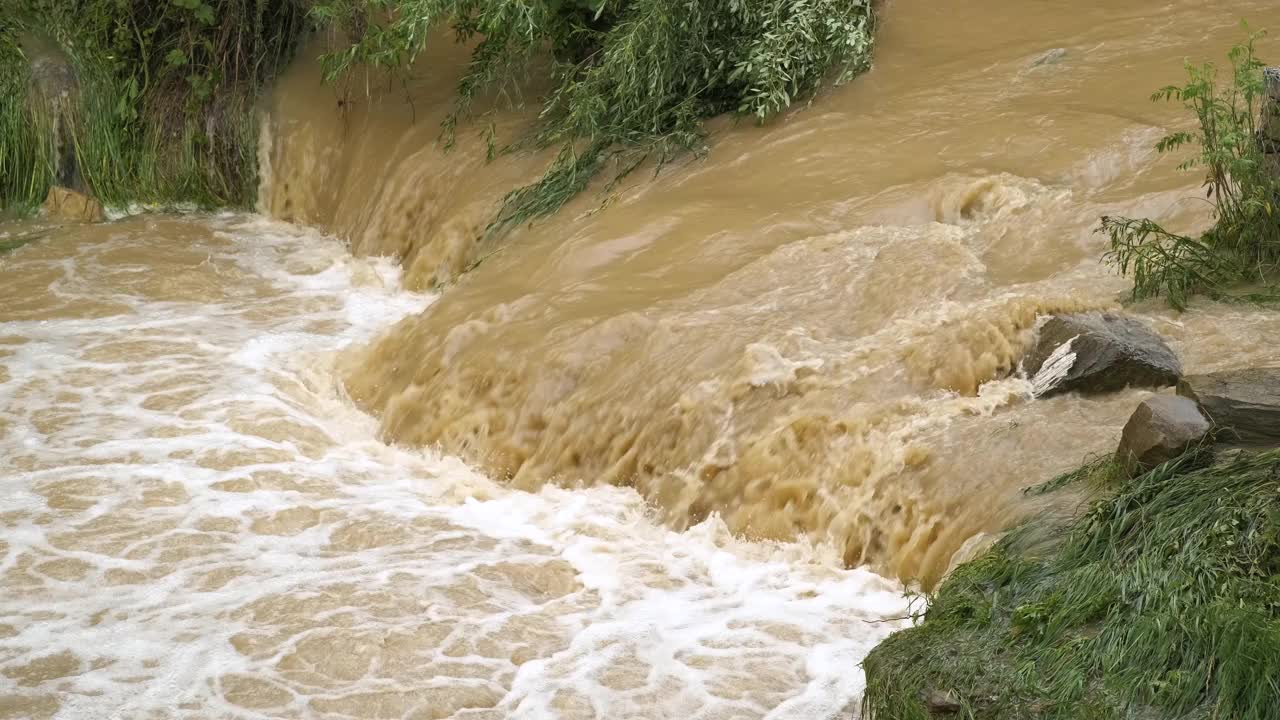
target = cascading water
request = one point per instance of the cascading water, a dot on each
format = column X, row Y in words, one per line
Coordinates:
column 796, row 356
column 199, row 524
column 812, row 332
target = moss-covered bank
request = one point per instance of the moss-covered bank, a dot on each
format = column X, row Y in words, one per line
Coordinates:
column 1161, row 600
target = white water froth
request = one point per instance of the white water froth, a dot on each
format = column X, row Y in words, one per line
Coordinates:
column 199, row 524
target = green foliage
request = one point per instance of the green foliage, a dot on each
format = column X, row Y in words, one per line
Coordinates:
column 1232, row 148
column 1163, row 263
column 162, row 105
column 27, row 148
column 165, row 88
column 630, row 79
column 1162, row 600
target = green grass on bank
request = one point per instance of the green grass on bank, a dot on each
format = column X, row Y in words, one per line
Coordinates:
column 1237, row 147
column 1161, row 601
column 27, row 147
column 161, row 97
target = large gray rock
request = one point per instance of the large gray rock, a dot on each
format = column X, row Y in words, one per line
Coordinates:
column 1160, row 429
column 1244, row 405
column 1099, row 352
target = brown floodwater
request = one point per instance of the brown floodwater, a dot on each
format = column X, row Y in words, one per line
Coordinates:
column 200, row 524
column 811, row 331
column 672, row 453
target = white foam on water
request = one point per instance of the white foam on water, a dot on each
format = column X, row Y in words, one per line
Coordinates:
column 198, row 523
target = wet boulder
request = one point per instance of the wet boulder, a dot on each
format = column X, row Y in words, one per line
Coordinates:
column 1099, row 352
column 1160, row 429
column 1243, row 405
column 63, row 205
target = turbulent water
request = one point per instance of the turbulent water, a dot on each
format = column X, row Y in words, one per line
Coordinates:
column 810, row 332
column 235, row 448
column 199, row 524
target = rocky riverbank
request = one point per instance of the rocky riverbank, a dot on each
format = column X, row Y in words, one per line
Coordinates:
column 1157, row 599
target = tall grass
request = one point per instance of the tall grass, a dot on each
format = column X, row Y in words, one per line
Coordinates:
column 1161, row 601
column 1240, row 160
column 28, row 147
column 162, row 108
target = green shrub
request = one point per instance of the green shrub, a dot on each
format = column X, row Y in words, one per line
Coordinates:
column 1244, row 243
column 630, row 79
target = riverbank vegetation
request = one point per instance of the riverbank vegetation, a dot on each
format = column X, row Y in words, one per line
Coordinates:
column 1160, row 596
column 1237, row 146
column 137, row 100
column 1161, row 600
column 629, row 80
column 163, row 108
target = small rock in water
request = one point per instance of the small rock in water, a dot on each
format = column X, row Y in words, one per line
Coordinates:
column 66, row 205
column 1099, row 352
column 1160, row 429
column 1244, row 405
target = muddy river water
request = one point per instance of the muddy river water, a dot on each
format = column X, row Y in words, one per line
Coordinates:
column 673, row 457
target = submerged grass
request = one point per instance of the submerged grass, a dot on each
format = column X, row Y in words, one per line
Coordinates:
column 14, row 241
column 1161, row 601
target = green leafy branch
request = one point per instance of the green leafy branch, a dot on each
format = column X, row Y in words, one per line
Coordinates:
column 1242, row 177
column 630, row 79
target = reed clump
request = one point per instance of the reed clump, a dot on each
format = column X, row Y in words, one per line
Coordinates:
column 160, row 106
